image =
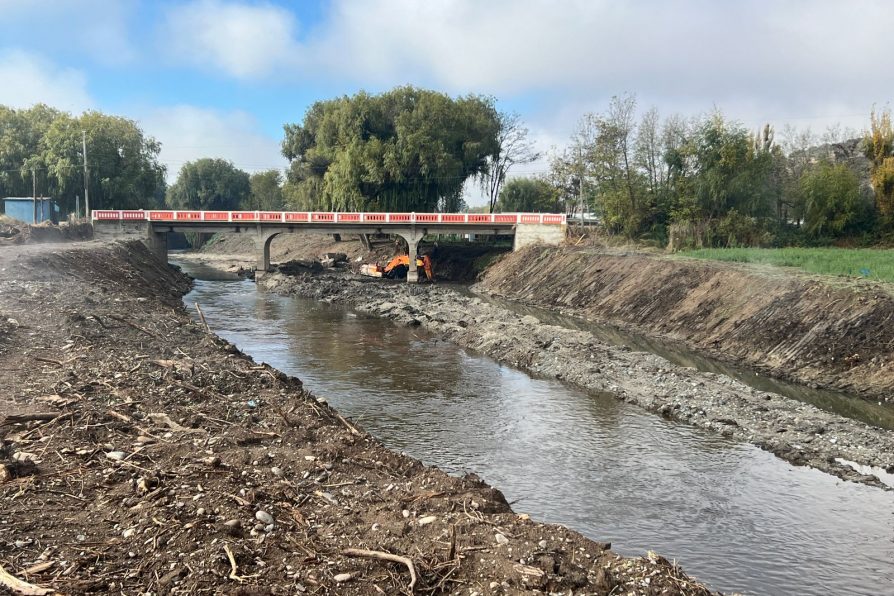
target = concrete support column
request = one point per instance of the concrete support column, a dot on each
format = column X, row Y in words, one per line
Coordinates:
column 364, row 240
column 412, row 272
column 262, row 242
column 157, row 242
column 412, row 239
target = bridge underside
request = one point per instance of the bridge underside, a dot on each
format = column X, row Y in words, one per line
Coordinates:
column 154, row 234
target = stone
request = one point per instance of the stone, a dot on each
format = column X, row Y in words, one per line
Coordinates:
column 501, row 540
column 264, row 517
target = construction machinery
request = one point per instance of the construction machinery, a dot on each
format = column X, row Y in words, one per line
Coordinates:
column 398, row 267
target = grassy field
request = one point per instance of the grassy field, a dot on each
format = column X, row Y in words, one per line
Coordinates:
column 865, row 263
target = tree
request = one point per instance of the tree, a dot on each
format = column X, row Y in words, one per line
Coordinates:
column 408, row 149
column 210, row 184
column 528, row 195
column 266, row 191
column 879, row 147
column 832, row 199
column 123, row 162
column 606, row 144
column 513, row 147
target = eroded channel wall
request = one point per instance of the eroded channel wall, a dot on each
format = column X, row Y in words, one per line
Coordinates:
column 823, row 333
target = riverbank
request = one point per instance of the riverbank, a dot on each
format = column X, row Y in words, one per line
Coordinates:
column 794, row 431
column 142, row 454
column 821, row 331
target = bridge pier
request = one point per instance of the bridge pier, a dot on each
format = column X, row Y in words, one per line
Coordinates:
column 262, row 244
column 412, row 237
column 157, row 242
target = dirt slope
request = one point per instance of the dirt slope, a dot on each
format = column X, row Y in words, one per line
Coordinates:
column 787, row 325
column 140, row 454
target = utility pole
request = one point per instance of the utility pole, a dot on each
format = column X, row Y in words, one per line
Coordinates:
column 86, row 180
column 34, row 193
column 580, row 187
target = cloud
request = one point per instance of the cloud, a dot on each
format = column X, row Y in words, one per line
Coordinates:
column 244, row 41
column 756, row 59
column 188, row 133
column 28, row 79
column 98, row 28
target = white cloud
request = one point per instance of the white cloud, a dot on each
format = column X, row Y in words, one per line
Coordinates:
column 758, row 60
column 189, row 132
column 244, row 41
column 28, row 79
column 98, row 28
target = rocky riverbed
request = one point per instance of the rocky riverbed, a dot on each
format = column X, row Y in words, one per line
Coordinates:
column 139, row 453
column 796, row 432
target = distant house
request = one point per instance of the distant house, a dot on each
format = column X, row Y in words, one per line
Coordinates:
column 31, row 210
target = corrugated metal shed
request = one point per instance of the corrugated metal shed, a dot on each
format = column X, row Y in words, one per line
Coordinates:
column 24, row 209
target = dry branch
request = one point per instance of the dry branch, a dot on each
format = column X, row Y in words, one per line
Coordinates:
column 202, row 317
column 17, row 586
column 383, row 556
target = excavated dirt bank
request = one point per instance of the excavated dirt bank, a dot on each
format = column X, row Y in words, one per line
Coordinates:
column 796, row 327
column 141, row 454
column 795, row 431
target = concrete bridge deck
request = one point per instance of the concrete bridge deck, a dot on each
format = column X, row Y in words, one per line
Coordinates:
column 152, row 226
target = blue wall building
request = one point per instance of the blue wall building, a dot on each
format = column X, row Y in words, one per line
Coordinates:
column 24, row 209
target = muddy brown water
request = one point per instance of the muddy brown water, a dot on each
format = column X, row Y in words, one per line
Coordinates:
column 732, row 515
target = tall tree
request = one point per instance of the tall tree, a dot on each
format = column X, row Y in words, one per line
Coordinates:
column 266, row 191
column 513, row 148
column 124, row 171
column 879, row 147
column 407, row 149
column 210, row 184
column 528, row 195
column 832, row 199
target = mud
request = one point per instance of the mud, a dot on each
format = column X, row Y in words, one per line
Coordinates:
column 796, row 432
column 142, row 454
column 819, row 331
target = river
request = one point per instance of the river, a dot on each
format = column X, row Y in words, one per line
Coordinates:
column 732, row 515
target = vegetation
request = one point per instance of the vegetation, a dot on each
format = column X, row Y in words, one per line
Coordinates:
column 405, row 150
column 41, row 149
column 529, row 195
column 710, row 182
column 210, row 184
column 869, row 263
column 266, row 191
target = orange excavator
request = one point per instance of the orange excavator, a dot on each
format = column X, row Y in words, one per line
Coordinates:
column 398, row 268
column 399, row 265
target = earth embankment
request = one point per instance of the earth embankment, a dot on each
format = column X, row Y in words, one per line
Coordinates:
column 821, row 332
column 139, row 453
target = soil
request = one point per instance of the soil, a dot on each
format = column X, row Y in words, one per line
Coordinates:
column 796, row 432
column 815, row 330
column 142, row 454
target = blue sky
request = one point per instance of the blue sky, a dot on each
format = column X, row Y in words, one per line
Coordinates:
column 220, row 77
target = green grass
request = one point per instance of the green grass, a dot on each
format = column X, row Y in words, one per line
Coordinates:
column 875, row 264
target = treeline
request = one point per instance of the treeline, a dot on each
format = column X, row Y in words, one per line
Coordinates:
column 704, row 181
column 41, row 149
column 709, row 181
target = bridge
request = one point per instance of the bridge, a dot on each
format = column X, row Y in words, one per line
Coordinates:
column 152, row 226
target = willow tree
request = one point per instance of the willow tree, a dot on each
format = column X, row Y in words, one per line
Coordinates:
column 879, row 146
column 405, row 150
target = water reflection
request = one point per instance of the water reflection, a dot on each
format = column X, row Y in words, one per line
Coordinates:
column 832, row 401
column 733, row 515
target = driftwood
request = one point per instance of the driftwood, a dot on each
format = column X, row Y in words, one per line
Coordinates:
column 383, row 556
column 17, row 586
column 202, row 316
column 19, row 418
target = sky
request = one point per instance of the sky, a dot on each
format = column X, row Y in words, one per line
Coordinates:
column 220, row 78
